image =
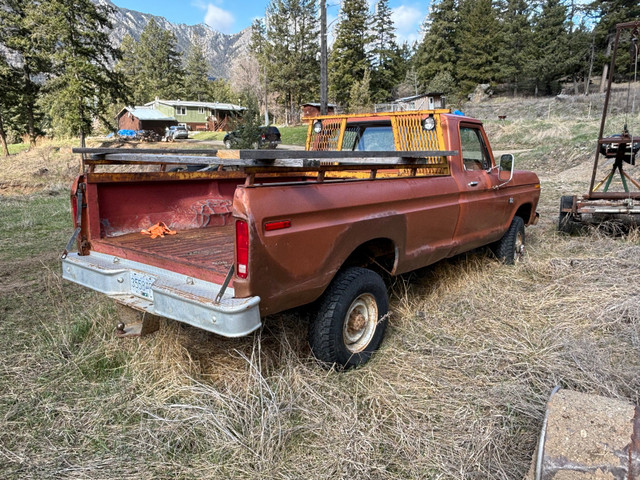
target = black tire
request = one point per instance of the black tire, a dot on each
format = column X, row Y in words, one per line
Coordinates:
column 336, row 334
column 227, row 144
column 510, row 248
column 566, row 220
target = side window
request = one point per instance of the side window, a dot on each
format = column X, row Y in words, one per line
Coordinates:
column 350, row 138
column 474, row 153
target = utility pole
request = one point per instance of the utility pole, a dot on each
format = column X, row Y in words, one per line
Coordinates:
column 266, row 97
column 323, row 58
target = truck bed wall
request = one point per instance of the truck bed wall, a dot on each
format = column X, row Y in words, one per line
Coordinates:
column 121, row 208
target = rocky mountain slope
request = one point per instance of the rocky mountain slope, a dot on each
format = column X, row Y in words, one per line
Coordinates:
column 219, row 49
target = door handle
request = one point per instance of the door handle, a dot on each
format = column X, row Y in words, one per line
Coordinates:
column 473, row 184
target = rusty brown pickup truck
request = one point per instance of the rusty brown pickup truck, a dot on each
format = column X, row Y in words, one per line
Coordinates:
column 258, row 232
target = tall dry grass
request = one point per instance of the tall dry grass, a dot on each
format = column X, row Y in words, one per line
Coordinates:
column 458, row 389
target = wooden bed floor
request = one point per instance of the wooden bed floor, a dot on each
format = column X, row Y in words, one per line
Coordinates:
column 210, row 248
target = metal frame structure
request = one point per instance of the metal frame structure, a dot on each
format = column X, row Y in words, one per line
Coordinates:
column 624, row 142
column 599, row 206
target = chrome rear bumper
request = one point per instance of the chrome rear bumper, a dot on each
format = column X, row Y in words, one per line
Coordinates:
column 165, row 293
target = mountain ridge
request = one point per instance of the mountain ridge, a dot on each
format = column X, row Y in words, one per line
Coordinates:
column 219, row 49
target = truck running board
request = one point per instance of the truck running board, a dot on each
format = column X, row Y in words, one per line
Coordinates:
column 165, row 293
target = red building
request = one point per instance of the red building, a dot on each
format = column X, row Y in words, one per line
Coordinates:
column 143, row 118
column 313, row 109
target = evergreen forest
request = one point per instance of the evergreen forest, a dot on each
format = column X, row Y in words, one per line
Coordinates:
column 61, row 76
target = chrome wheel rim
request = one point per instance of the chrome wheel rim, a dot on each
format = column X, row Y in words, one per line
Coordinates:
column 360, row 323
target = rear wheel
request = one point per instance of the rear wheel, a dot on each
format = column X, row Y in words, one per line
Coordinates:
column 510, row 248
column 351, row 320
column 227, row 144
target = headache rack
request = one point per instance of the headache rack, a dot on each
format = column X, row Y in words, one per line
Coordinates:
column 117, row 164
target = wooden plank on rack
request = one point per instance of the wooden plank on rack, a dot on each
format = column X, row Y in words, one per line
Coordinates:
column 144, row 159
column 270, row 155
column 151, row 151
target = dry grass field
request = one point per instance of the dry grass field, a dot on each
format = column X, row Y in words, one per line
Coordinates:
column 457, row 391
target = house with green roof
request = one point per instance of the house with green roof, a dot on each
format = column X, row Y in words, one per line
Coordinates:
column 199, row 115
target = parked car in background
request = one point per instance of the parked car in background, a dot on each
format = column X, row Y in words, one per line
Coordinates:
column 176, row 132
column 268, row 137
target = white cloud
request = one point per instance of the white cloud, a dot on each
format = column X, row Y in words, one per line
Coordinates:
column 407, row 20
column 199, row 4
column 219, row 19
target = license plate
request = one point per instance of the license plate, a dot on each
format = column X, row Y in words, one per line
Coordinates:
column 141, row 285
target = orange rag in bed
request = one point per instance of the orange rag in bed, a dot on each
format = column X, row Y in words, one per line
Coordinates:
column 158, row 230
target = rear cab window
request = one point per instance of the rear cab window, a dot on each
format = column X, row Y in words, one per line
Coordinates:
column 368, row 138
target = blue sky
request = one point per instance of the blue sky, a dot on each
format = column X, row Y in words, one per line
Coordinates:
column 231, row 16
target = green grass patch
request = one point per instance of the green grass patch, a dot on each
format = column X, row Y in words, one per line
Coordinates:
column 17, row 148
column 80, row 331
column 290, row 135
column 208, row 135
column 294, row 135
column 103, row 367
column 32, row 225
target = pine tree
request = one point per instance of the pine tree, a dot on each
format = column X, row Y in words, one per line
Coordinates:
column 159, row 72
column 438, row 51
column 348, row 60
column 196, row 75
column 478, row 40
column 549, row 47
column 516, row 31
column 608, row 14
column 250, row 127
column 388, row 65
column 18, row 29
column 442, row 82
column 576, row 65
column 410, row 85
column 360, row 94
column 9, row 102
column 82, row 82
column 287, row 48
column 220, row 90
column 130, row 66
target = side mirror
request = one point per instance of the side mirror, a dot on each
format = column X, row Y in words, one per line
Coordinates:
column 505, row 170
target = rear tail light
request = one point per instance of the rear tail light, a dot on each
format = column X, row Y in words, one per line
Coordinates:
column 263, row 136
column 242, row 248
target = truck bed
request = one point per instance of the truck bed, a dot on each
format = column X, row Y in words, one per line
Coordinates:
column 203, row 252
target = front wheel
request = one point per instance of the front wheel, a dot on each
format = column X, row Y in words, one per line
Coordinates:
column 510, row 248
column 351, row 320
